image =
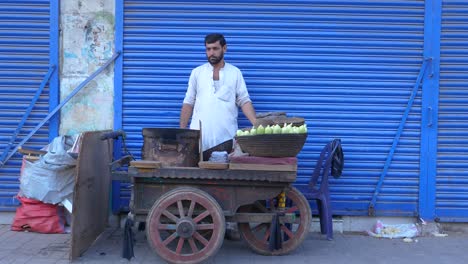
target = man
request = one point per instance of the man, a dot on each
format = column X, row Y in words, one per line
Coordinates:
column 215, row 92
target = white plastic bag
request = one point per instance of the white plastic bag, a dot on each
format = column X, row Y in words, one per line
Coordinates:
column 393, row 231
column 51, row 179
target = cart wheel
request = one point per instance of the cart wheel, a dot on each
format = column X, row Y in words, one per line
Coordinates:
column 185, row 225
column 257, row 235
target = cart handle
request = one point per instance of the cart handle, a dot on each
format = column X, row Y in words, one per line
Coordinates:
column 114, row 134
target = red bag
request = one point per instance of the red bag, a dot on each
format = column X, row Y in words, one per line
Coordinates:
column 36, row 216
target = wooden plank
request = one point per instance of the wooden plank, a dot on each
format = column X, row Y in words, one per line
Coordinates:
column 147, row 164
column 26, row 151
column 259, row 218
column 31, row 158
column 263, row 167
column 213, row 165
column 91, row 192
column 200, row 141
column 229, row 194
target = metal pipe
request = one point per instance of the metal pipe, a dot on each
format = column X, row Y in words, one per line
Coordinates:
column 371, row 209
column 56, row 109
column 28, row 111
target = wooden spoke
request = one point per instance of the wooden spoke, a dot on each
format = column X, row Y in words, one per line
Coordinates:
column 181, row 208
column 205, row 233
column 201, row 216
column 169, row 215
column 205, row 227
column 180, row 244
column 192, row 244
column 267, row 235
column 170, row 239
column 259, row 227
column 287, row 231
column 166, row 227
column 191, row 208
column 200, row 238
column 292, row 209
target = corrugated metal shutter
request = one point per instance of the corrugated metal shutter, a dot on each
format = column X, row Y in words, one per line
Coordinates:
column 346, row 66
column 24, row 60
column 452, row 144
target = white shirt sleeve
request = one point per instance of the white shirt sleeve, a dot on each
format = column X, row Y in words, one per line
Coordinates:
column 242, row 95
column 191, row 93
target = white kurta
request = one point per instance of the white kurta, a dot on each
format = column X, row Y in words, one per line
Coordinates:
column 216, row 105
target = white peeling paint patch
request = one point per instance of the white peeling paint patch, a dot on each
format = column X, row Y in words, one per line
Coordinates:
column 89, row 110
column 88, row 43
column 86, row 6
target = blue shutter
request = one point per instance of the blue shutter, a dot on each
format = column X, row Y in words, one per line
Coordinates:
column 452, row 143
column 24, row 61
column 348, row 67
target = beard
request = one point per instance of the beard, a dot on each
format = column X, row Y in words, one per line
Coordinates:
column 213, row 60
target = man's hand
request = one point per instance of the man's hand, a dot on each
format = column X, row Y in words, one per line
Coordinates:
column 185, row 114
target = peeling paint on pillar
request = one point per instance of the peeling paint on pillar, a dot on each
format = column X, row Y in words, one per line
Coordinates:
column 87, row 43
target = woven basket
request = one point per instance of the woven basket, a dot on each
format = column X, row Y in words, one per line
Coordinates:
column 279, row 120
column 272, row 145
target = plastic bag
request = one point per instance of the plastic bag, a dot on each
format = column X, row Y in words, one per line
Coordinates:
column 36, row 216
column 219, row 157
column 337, row 159
column 394, row 231
column 51, row 179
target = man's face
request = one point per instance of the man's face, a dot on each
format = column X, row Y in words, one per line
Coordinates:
column 214, row 52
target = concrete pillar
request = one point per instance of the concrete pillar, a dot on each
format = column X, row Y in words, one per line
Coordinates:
column 87, row 42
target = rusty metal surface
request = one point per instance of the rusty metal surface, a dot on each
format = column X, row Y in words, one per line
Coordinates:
column 205, row 174
column 171, row 146
column 229, row 194
column 91, row 192
column 260, row 218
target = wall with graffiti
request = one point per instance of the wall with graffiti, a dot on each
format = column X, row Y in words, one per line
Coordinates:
column 87, row 40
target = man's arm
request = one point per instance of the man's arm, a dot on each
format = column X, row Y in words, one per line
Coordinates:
column 189, row 101
column 243, row 99
column 185, row 114
column 249, row 112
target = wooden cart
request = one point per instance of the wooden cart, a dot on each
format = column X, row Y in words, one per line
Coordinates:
column 186, row 209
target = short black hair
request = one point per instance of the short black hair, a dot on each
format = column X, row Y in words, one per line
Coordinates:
column 212, row 38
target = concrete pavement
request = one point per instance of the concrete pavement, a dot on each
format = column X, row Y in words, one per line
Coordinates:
column 349, row 248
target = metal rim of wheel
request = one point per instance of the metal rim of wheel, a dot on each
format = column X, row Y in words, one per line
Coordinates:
column 185, row 225
column 257, row 235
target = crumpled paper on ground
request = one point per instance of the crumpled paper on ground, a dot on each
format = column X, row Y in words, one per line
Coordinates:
column 394, row 231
